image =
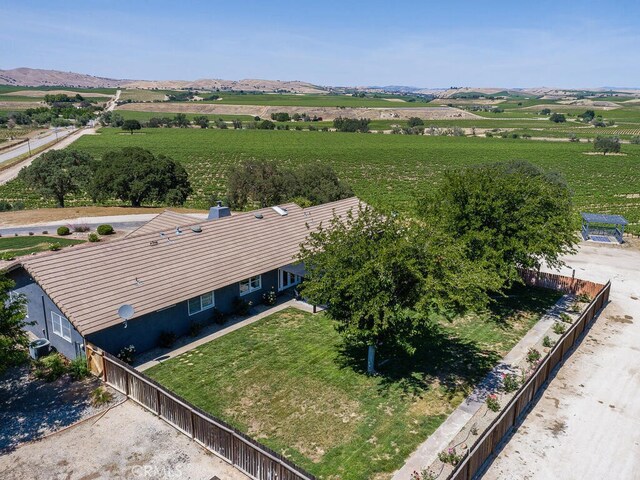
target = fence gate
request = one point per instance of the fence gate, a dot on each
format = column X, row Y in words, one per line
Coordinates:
column 95, row 359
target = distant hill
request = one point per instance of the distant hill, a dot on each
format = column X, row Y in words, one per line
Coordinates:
column 33, row 77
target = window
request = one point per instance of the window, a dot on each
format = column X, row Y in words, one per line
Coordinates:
column 250, row 285
column 287, row 279
column 61, row 326
column 203, row 302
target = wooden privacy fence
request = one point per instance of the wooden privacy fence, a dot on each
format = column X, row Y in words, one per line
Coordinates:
column 560, row 282
column 488, row 442
column 244, row 453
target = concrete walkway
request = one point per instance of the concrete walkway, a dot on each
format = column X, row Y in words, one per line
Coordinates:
column 439, row 440
column 159, row 355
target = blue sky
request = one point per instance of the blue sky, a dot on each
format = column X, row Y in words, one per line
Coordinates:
column 420, row 43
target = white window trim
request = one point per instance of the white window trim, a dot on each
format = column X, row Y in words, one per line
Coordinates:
column 61, row 320
column 251, row 288
column 206, row 307
column 284, row 287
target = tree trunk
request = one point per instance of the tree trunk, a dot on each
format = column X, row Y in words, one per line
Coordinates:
column 371, row 360
column 61, row 201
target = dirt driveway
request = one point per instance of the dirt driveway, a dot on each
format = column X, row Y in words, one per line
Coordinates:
column 587, row 423
column 126, row 443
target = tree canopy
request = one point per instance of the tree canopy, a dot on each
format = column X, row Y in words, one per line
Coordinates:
column 381, row 277
column 13, row 338
column 265, row 183
column 606, row 144
column 135, row 175
column 351, row 124
column 507, row 215
column 58, row 173
column 131, row 125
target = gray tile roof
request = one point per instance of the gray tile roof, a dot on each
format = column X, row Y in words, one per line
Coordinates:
column 151, row 271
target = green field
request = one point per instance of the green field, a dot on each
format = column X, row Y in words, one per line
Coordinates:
column 289, row 382
column 387, row 171
column 312, row 100
column 145, row 116
column 26, row 245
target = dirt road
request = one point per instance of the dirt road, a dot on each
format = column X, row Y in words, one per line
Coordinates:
column 587, row 423
column 12, row 172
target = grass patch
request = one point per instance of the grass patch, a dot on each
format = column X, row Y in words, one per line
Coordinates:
column 18, row 246
column 291, row 382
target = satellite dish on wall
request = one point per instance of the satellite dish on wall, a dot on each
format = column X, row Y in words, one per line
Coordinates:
column 125, row 312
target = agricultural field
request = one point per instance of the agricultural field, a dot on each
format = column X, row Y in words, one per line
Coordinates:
column 313, row 100
column 290, row 382
column 145, row 116
column 11, row 247
column 143, row 95
column 387, row 171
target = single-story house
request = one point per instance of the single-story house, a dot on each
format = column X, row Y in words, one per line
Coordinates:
column 164, row 276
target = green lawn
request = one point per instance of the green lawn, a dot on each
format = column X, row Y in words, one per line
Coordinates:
column 290, row 382
column 387, row 171
column 18, row 246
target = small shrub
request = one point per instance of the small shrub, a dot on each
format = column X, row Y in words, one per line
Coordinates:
column 575, row 308
column 559, row 328
column 55, row 246
column 488, row 134
column 195, row 328
column 583, row 298
column 81, row 228
column 217, row 316
column 62, row 231
column 547, row 342
column 269, row 298
column 31, row 234
column 105, row 230
column 510, row 382
column 167, row 339
column 566, row 318
column 51, row 367
column 241, row 307
column 78, row 368
column 474, row 429
column 127, row 354
column 93, row 237
column 7, row 256
column 533, row 356
column 492, row 403
column 100, row 396
column 450, row 456
column 635, row 140
column 424, row 474
column 45, row 232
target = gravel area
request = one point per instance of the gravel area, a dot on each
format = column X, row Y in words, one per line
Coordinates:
column 587, row 422
column 127, row 442
column 32, row 408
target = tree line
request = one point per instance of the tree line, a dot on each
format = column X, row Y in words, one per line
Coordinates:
column 133, row 175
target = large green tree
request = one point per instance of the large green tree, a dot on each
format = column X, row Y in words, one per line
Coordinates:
column 58, row 173
column 380, row 277
column 507, row 215
column 130, row 125
column 13, row 337
column 136, row 176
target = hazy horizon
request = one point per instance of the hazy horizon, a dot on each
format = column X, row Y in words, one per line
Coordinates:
column 553, row 44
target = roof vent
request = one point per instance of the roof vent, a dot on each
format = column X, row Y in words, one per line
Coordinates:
column 196, row 228
column 218, row 211
column 259, row 216
column 178, row 231
column 280, row 211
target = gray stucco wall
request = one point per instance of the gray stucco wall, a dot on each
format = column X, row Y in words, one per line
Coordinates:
column 39, row 307
column 143, row 333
